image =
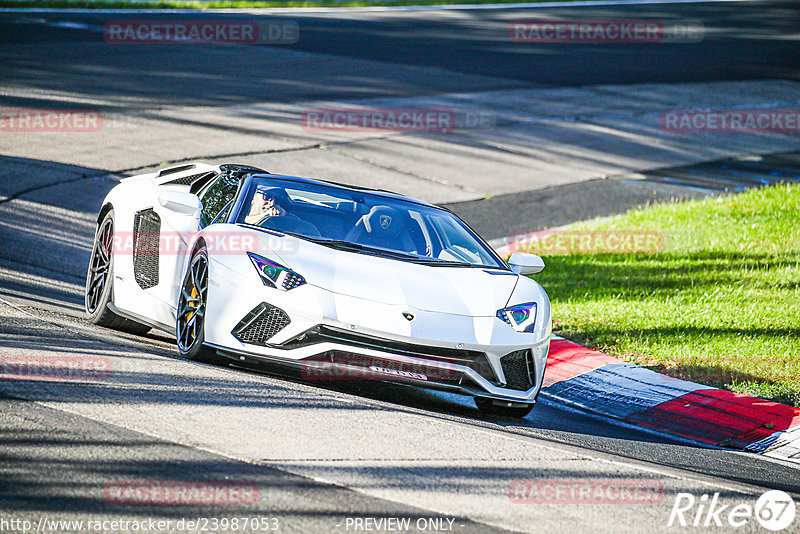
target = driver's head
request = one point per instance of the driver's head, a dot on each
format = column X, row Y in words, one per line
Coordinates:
column 268, row 202
column 263, row 199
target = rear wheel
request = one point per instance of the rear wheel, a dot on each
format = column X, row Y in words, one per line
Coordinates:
column 99, row 282
column 190, row 327
column 493, row 407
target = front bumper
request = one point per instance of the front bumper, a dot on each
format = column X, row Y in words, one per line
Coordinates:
column 328, row 352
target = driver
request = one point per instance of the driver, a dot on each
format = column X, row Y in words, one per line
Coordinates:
column 263, row 206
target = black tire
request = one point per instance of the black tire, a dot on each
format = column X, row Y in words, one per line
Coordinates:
column 489, row 407
column 190, row 324
column 99, row 291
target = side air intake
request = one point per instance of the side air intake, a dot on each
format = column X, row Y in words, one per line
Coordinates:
column 146, row 236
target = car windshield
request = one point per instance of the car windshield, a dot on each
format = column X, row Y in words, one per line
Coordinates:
column 361, row 221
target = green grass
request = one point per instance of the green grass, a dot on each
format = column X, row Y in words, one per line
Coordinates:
column 720, row 305
column 231, row 4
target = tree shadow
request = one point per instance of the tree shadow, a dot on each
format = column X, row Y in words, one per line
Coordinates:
column 66, row 467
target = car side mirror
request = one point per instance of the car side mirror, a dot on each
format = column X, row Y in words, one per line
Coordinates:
column 181, row 202
column 525, row 263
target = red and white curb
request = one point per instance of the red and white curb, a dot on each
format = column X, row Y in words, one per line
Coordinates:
column 595, row 382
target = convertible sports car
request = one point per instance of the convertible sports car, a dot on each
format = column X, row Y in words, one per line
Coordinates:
column 338, row 281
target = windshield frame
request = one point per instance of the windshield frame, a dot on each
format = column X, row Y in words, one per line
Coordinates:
column 251, row 181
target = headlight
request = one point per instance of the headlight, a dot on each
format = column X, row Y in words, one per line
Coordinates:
column 276, row 275
column 522, row 316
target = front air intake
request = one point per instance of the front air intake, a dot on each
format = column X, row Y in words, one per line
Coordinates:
column 261, row 324
column 519, row 369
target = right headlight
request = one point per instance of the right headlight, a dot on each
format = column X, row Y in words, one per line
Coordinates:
column 521, row 316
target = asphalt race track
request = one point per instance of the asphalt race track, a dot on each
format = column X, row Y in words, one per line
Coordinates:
column 565, row 132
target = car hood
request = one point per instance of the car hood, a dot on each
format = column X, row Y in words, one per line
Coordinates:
column 455, row 290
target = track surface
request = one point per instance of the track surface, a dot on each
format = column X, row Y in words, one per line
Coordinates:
column 320, row 454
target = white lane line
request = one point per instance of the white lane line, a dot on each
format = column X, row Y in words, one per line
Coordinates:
column 446, row 7
column 69, row 25
column 56, row 24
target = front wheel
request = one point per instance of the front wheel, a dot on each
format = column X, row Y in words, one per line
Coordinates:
column 490, row 407
column 190, row 327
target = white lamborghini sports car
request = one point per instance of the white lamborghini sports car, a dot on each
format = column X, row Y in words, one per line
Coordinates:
column 337, row 281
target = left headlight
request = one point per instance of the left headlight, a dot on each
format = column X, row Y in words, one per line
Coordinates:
column 276, row 275
column 522, row 316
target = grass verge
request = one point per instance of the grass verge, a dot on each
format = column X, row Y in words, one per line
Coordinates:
column 232, row 4
column 719, row 305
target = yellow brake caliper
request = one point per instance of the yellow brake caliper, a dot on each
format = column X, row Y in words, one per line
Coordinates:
column 194, row 295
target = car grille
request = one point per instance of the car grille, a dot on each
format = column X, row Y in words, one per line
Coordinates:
column 519, row 369
column 396, row 368
column 261, row 324
column 476, row 360
column 146, row 235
